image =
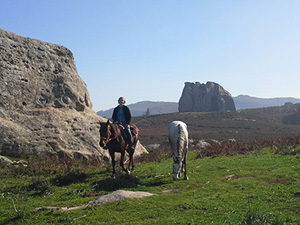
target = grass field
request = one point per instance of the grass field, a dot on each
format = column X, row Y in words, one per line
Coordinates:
column 257, row 188
column 255, row 180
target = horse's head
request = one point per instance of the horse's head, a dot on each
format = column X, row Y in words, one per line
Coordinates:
column 105, row 133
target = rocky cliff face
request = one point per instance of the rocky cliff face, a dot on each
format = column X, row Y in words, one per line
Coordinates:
column 36, row 74
column 209, row 97
column 44, row 104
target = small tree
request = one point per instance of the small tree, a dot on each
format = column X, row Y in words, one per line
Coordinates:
column 147, row 112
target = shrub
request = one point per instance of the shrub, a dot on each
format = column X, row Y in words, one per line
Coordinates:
column 155, row 155
column 284, row 146
column 253, row 217
column 41, row 187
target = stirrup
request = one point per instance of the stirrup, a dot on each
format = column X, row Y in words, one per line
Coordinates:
column 129, row 147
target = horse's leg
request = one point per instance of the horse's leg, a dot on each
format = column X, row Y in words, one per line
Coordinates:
column 176, row 167
column 122, row 161
column 113, row 162
column 184, row 166
column 130, row 153
column 133, row 150
column 132, row 163
column 181, row 167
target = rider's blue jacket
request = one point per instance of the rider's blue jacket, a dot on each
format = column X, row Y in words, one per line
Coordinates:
column 126, row 113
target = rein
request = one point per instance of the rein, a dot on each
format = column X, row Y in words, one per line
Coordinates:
column 107, row 139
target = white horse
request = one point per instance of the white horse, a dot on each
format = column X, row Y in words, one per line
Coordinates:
column 178, row 138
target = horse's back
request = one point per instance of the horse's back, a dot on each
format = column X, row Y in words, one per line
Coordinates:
column 176, row 127
column 178, row 133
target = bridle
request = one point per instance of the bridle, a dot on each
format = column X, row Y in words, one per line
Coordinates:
column 105, row 140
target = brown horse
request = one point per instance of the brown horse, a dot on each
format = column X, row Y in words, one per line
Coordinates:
column 113, row 140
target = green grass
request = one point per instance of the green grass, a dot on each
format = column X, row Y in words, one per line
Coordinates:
column 259, row 188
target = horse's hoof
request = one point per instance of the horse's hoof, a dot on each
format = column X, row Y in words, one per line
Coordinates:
column 113, row 176
column 186, row 178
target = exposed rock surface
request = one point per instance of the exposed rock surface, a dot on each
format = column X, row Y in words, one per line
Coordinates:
column 200, row 144
column 209, row 97
column 114, row 196
column 35, row 74
column 44, row 104
column 5, row 161
column 119, row 195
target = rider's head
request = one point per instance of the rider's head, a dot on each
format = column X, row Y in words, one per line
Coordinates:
column 121, row 101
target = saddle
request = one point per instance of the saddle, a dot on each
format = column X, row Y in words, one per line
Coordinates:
column 133, row 130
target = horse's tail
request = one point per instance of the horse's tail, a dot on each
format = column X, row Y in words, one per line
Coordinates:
column 181, row 140
column 135, row 133
column 134, row 129
column 178, row 138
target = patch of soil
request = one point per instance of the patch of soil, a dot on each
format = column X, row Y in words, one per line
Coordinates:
column 297, row 194
column 282, row 181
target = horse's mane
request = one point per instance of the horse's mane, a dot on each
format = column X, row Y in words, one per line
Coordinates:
column 116, row 132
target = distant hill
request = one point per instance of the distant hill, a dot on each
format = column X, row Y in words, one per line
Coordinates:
column 241, row 102
column 248, row 102
column 242, row 125
column 141, row 108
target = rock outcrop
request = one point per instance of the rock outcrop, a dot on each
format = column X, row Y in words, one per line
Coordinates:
column 44, row 104
column 209, row 97
column 114, row 196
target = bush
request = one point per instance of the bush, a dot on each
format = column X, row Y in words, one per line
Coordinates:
column 155, row 155
column 41, row 187
column 283, row 146
column 253, row 217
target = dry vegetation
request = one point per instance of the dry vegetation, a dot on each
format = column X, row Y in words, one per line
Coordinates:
column 252, row 125
column 275, row 127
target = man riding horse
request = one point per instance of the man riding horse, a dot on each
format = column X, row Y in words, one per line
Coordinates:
column 122, row 115
column 117, row 137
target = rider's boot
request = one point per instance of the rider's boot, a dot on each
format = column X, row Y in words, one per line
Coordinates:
column 129, row 139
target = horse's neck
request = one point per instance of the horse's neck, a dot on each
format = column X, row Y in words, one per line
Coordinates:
column 115, row 131
column 112, row 131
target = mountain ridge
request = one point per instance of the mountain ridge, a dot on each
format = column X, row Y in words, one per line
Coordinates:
column 161, row 107
column 249, row 102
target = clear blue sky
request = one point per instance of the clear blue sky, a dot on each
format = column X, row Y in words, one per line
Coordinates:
column 147, row 49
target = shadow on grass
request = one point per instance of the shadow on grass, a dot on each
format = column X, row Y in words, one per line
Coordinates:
column 13, row 219
column 70, row 178
column 41, row 187
column 44, row 187
column 121, row 181
column 126, row 181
